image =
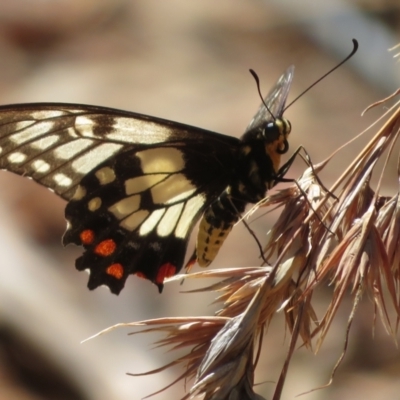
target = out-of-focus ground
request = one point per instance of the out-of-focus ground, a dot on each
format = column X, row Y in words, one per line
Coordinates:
column 186, row 61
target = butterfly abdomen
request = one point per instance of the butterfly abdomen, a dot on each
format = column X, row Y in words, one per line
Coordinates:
column 215, row 225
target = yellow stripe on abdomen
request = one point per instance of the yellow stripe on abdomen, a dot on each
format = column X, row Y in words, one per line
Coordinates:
column 210, row 238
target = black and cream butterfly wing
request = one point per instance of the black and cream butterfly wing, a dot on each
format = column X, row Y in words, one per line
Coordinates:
column 135, row 184
column 140, row 222
column 57, row 144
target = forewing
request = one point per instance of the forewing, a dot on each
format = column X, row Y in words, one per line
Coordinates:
column 275, row 100
column 58, row 144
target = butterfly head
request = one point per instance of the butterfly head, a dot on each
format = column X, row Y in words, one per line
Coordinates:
column 275, row 135
column 269, row 127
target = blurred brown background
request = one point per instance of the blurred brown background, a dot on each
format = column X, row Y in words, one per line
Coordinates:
column 186, row 61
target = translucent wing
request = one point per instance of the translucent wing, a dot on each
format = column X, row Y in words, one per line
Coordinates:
column 275, row 100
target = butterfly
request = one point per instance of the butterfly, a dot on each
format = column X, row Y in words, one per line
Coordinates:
column 136, row 185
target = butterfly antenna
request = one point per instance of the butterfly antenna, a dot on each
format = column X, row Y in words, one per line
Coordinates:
column 256, row 78
column 355, row 48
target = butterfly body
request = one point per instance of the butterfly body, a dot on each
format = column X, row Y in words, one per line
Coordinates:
column 136, row 185
column 256, row 169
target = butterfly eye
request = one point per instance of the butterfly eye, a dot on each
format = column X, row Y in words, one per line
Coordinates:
column 272, row 131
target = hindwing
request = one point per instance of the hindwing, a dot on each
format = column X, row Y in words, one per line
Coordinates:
column 140, row 222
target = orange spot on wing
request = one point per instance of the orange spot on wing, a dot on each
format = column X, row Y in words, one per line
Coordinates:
column 166, row 270
column 115, row 270
column 140, row 275
column 105, row 248
column 87, row 236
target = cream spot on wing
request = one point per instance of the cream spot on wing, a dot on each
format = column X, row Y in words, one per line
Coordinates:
column 166, row 159
column 45, row 142
column 47, row 114
column 40, row 166
column 31, row 132
column 125, row 207
column 151, row 222
column 80, row 193
column 94, row 157
column 69, row 150
column 169, row 220
column 146, row 132
column 142, row 183
column 133, row 221
column 192, row 207
column 23, row 124
column 94, row 204
column 16, row 157
column 105, row 175
column 72, row 132
column 62, row 180
column 1, row 150
column 84, row 125
column 175, row 188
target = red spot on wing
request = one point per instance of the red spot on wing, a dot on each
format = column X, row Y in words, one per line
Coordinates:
column 87, row 236
column 115, row 270
column 141, row 275
column 105, row 248
column 166, row 270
